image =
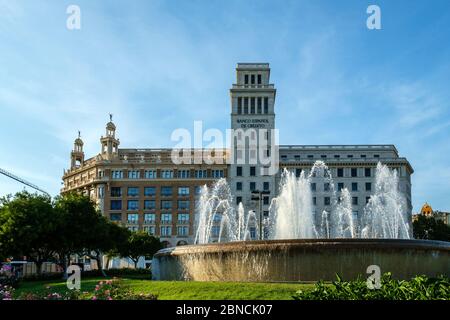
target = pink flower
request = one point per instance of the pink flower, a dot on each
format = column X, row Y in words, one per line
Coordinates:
column 109, row 298
column 94, row 298
column 97, row 287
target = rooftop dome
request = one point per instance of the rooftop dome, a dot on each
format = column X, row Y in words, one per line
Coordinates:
column 426, row 210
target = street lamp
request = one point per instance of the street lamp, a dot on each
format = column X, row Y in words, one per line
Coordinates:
column 257, row 196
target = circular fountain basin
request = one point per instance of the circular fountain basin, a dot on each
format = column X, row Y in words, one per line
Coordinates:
column 301, row 260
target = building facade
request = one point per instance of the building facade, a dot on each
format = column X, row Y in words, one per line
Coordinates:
column 145, row 190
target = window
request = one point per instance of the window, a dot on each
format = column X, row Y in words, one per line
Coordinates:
column 367, row 200
column 314, row 201
column 367, row 172
column 354, row 172
column 252, row 105
column 310, row 156
column 133, row 192
column 252, row 171
column 217, row 173
column 149, row 218
column 297, row 157
column 298, row 172
column 266, row 105
column 246, row 79
column 198, row 190
column 149, row 191
column 265, row 200
column 340, row 186
column 313, row 186
column 283, row 157
column 215, row 230
column 259, row 105
column 132, row 218
column 238, row 200
column 167, row 174
column 183, row 174
column 133, row 228
column 252, row 77
column 183, row 191
column 340, row 172
column 246, row 105
column 116, row 191
column 166, row 231
column 252, row 186
column 133, row 174
column 166, row 204
column 182, row 230
column 239, row 186
column 239, row 106
column 336, row 156
column 355, row 201
column 239, row 171
column 326, row 201
column 323, row 156
column 252, row 233
column 354, row 186
column 368, row 186
column 150, row 229
column 363, row 156
column 166, row 191
column 150, row 174
column 117, row 174
column 349, row 156
column 101, row 192
column 115, row 217
column 132, row 205
column 326, row 186
column 259, row 79
column 183, row 218
column 116, row 204
column 183, row 204
column 266, row 185
column 376, row 155
column 199, row 174
column 149, row 204
column 166, row 218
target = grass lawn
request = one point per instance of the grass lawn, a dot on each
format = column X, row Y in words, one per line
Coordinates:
column 180, row 290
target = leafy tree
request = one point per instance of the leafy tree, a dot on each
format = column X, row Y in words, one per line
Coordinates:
column 431, row 229
column 139, row 244
column 27, row 227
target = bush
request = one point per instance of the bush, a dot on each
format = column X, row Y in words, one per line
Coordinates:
column 121, row 273
column 418, row 288
column 6, row 292
column 105, row 290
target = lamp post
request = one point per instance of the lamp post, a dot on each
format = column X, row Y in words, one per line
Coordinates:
column 257, row 196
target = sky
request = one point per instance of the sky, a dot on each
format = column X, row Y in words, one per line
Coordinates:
column 161, row 65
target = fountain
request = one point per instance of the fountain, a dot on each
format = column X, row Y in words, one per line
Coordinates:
column 304, row 245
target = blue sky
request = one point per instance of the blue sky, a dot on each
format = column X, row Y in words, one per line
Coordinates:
column 161, row 65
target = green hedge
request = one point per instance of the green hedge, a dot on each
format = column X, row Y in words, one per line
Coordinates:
column 124, row 272
column 418, row 288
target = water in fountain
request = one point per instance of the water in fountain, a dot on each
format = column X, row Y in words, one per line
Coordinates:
column 218, row 219
column 292, row 214
column 386, row 214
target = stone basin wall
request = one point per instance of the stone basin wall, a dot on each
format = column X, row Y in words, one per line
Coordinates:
column 301, row 260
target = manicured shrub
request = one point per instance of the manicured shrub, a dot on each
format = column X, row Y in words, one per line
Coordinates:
column 418, row 288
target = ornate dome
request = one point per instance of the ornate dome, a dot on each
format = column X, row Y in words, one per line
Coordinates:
column 426, row 210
